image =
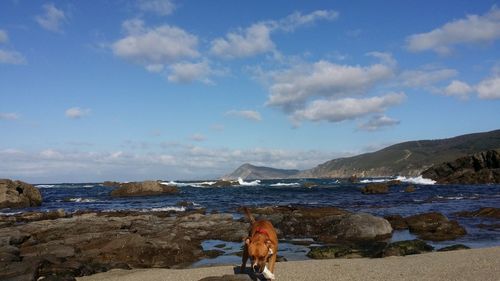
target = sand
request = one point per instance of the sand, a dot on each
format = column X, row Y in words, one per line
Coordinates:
column 475, row 264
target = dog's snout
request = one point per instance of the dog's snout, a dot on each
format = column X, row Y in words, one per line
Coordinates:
column 255, row 268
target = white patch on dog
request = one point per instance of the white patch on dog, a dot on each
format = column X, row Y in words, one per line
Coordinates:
column 268, row 274
column 270, row 252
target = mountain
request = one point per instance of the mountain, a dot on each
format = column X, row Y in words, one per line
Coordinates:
column 251, row 172
column 407, row 158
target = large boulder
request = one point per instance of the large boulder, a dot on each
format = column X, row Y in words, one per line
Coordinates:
column 435, row 227
column 375, row 188
column 478, row 168
column 144, row 188
column 18, row 194
column 362, row 227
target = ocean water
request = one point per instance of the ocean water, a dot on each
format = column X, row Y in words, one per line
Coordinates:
column 427, row 197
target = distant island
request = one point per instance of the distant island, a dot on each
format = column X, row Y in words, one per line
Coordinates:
column 405, row 159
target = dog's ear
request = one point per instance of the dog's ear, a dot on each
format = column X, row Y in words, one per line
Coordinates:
column 247, row 241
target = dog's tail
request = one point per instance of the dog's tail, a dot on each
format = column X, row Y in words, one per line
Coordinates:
column 249, row 215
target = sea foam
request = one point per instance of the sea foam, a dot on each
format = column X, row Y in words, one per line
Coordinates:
column 249, row 183
column 416, row 180
column 285, row 184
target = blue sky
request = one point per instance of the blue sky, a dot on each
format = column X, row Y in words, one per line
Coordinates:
column 165, row 89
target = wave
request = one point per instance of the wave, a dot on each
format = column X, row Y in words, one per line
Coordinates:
column 193, row 184
column 285, row 184
column 81, row 200
column 165, row 209
column 416, row 180
column 374, row 180
column 45, row 185
column 88, row 185
column 251, row 183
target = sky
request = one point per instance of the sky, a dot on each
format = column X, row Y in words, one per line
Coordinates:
column 169, row 89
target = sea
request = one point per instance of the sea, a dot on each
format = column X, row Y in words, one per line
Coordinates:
column 427, row 197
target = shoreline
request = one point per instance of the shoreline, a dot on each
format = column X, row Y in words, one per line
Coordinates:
column 474, row 264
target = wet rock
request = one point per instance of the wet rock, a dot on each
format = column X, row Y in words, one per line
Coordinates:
column 329, row 252
column 453, row 248
column 225, row 183
column 145, row 188
column 479, row 168
column 393, row 182
column 408, row 247
column 18, row 194
column 309, row 184
column 362, row 227
column 435, row 227
column 397, row 222
column 213, row 253
column 375, row 188
column 111, row 184
column 410, row 188
column 487, row 212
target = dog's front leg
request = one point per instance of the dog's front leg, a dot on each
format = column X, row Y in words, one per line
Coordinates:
column 244, row 259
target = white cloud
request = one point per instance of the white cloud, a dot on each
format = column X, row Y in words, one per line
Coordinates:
column 425, row 78
column 11, row 57
column 8, row 116
column 458, row 89
column 155, row 47
column 292, row 87
column 159, row 7
column 4, row 38
column 76, row 112
column 489, row 88
column 247, row 114
column 186, row 72
column 184, row 162
column 244, row 43
column 155, row 68
column 347, row 108
column 256, row 39
column 377, row 122
column 52, row 18
column 198, row 137
column 471, row 29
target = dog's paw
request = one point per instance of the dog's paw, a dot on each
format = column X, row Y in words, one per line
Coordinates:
column 268, row 274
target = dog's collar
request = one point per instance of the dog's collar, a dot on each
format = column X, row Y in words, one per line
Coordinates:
column 262, row 231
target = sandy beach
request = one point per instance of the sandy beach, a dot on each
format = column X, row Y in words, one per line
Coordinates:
column 475, row 264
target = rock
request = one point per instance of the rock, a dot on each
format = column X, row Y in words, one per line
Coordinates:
column 329, row 252
column 487, row 212
column 434, row 226
column 18, row 194
column 479, row 168
column 213, row 253
column 144, row 188
column 309, row 184
column 408, row 247
column 453, row 248
column 111, row 184
column 225, row 183
column 375, row 188
column 410, row 188
column 393, row 182
column 362, row 227
column 397, row 222
column 353, row 179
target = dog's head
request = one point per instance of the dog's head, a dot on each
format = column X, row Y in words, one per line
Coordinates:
column 259, row 252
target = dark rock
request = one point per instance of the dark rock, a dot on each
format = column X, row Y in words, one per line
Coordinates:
column 397, row 222
column 329, row 252
column 220, row 246
column 479, row 168
column 491, row 227
column 111, row 184
column 281, row 259
column 225, row 183
column 408, row 247
column 410, row 188
column 145, row 188
column 309, row 184
column 213, row 253
column 362, row 227
column 453, row 248
column 18, row 194
column 487, row 212
column 393, row 182
column 375, row 188
column 353, row 179
column 435, row 227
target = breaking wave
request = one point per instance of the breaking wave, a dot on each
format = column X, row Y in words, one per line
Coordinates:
column 45, row 185
column 249, row 183
column 285, row 184
column 82, row 200
column 416, row 180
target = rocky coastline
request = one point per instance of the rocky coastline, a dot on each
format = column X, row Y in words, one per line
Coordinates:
column 61, row 246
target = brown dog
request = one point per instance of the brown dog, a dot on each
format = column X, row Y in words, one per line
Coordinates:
column 261, row 246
